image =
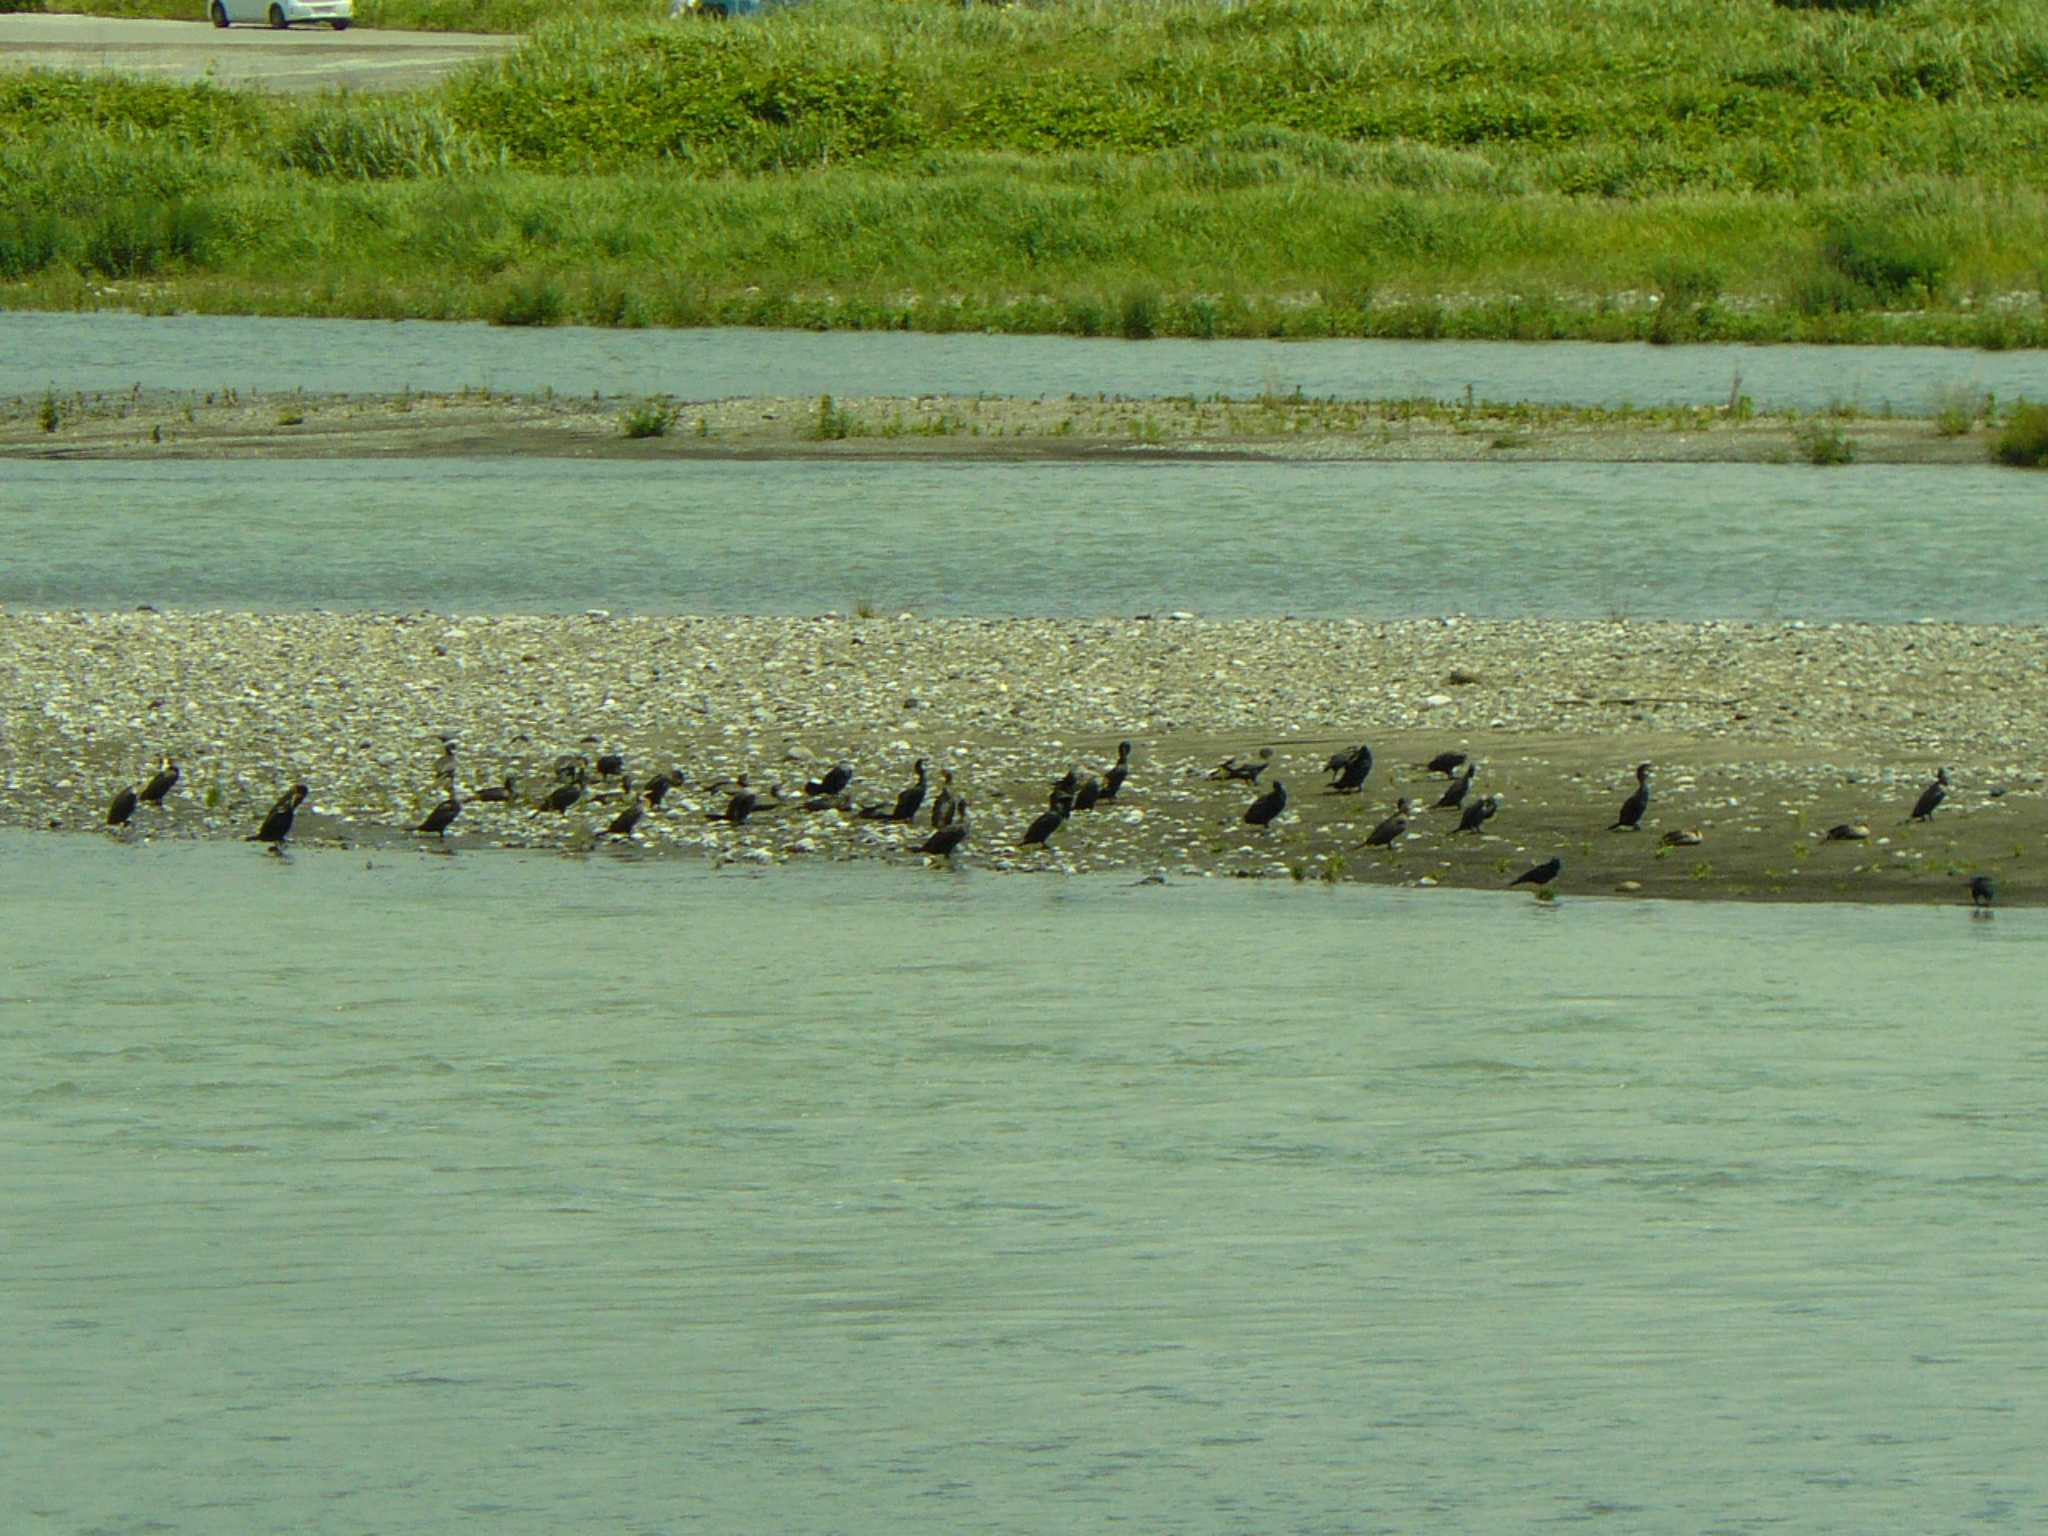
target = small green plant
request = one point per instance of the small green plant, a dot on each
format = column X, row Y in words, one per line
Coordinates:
column 291, row 418
column 1703, row 870
column 650, row 418
column 533, row 301
column 866, row 609
column 47, row 414
column 832, row 423
column 1825, row 443
column 2023, row 440
column 1956, row 411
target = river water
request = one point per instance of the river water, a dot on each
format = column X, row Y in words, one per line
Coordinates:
column 114, row 351
column 543, row 1195
column 1877, row 542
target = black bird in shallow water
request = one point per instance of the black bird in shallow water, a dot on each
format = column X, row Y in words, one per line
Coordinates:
column 1351, row 770
column 1631, row 814
column 1478, row 813
column 1539, row 875
column 1455, row 792
column 1982, row 892
column 166, row 778
column 836, row 778
column 1931, row 796
column 1260, row 812
column 1048, row 822
column 122, row 808
column 277, row 826
column 906, row 803
column 1387, row 832
column 1113, row 780
column 440, row 816
column 1445, row 763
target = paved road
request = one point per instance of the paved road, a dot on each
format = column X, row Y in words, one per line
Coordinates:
column 302, row 59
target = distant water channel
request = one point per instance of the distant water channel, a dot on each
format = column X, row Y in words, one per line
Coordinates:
column 541, row 1195
column 113, row 351
column 1224, row 539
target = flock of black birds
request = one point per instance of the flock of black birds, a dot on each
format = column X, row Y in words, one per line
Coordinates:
column 949, row 821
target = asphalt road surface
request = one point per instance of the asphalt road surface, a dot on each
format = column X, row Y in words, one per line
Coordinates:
column 305, row 58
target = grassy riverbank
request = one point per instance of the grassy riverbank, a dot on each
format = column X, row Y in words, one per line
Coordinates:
column 1643, row 168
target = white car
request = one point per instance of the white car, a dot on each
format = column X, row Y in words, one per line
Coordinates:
column 282, row 13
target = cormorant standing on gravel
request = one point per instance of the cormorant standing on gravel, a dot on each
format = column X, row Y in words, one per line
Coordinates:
column 277, row 826
column 1848, row 832
column 1260, row 812
column 1982, row 892
column 624, row 823
column 440, row 816
column 563, row 795
column 1540, row 875
column 947, row 807
column 1631, row 814
column 836, row 778
column 1351, row 771
column 656, row 788
column 946, row 841
column 1478, row 813
column 906, row 803
column 1113, row 780
column 122, row 808
column 166, row 777
column 1387, row 832
column 1445, row 763
column 1089, row 792
column 1048, row 822
column 612, row 765
column 1931, row 796
column 499, row 793
column 744, row 803
column 1455, row 792
column 444, row 770
column 1231, row 768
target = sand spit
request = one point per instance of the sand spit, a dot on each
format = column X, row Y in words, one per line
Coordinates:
column 1762, row 737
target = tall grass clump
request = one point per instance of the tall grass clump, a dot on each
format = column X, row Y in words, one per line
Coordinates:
column 2023, row 440
column 529, row 300
column 375, row 142
column 29, row 242
column 139, row 237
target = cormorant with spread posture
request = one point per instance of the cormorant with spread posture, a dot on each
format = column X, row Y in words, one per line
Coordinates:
column 277, row 826
column 1246, row 772
column 1260, row 812
column 1445, row 763
column 440, row 816
column 1113, row 780
column 1479, row 813
column 1931, row 796
column 166, row 777
column 1540, row 875
column 836, row 778
column 1389, row 831
column 1982, row 892
column 1455, row 792
column 123, row 807
column 947, row 806
column 1048, row 822
column 1351, row 771
column 906, row 803
column 1630, row 816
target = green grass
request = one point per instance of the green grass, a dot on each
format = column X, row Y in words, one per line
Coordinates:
column 1670, row 170
column 2023, row 440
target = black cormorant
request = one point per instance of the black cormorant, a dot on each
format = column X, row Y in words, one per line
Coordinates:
column 444, row 770
column 1260, row 812
column 1848, row 832
column 439, row 817
column 1247, row 772
column 1931, row 796
column 656, row 788
column 611, row 765
column 945, row 842
column 1538, row 875
column 1351, row 771
column 1445, row 763
column 836, row 778
column 1113, row 780
column 562, row 796
column 1385, row 834
column 907, row 803
column 744, row 803
column 166, row 777
column 1630, row 816
column 123, row 807
column 624, row 823
column 1982, row 892
column 277, row 826
column 947, row 805
column 1048, row 822
column 499, row 793
column 1089, row 792
column 1478, row 813
column 1455, row 792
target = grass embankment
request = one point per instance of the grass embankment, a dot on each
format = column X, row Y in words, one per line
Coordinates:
column 1638, row 169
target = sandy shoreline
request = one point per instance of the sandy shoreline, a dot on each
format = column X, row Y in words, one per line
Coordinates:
column 1762, row 736
column 150, row 425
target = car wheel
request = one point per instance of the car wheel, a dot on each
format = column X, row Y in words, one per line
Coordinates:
column 339, row 26
column 277, row 17
column 219, row 13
